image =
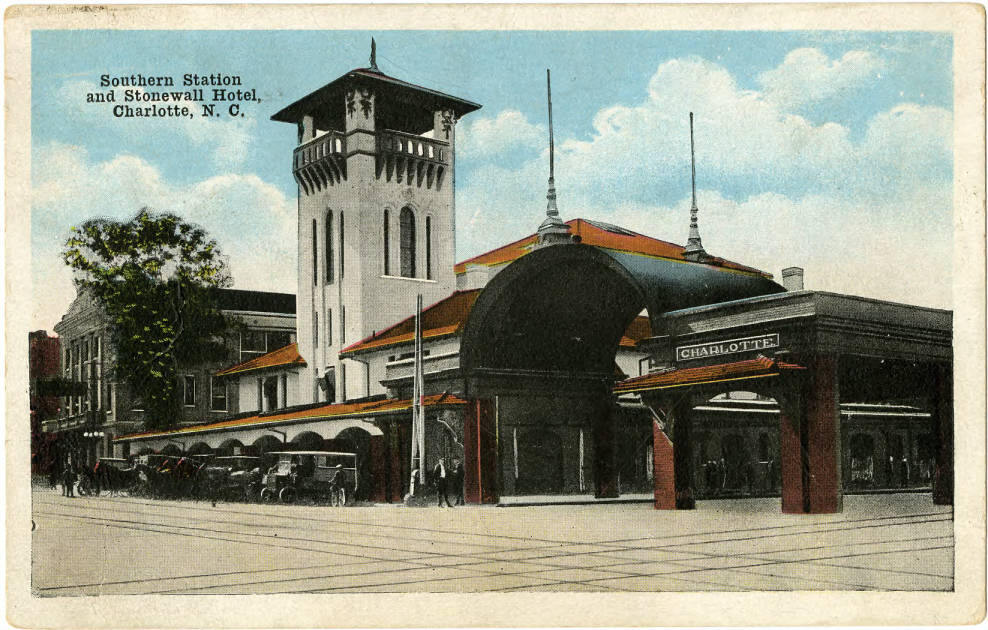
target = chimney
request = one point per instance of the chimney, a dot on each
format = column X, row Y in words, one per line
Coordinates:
column 792, row 278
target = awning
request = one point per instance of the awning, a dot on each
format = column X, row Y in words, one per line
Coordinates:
column 333, row 411
column 760, row 367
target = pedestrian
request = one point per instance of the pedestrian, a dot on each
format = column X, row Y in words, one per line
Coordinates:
column 458, row 481
column 68, row 480
column 439, row 478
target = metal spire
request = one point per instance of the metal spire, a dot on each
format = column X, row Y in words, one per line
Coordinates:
column 373, row 57
column 553, row 230
column 694, row 247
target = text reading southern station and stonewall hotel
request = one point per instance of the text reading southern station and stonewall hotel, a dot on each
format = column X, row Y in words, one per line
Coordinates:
column 214, row 94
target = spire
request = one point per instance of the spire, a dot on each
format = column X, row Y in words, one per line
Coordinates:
column 553, row 230
column 373, row 57
column 694, row 248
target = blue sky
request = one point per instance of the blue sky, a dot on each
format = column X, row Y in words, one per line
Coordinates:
column 828, row 150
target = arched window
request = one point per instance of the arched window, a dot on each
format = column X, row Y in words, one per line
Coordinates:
column 329, row 247
column 315, row 254
column 407, row 230
column 428, row 248
column 387, row 244
column 342, row 252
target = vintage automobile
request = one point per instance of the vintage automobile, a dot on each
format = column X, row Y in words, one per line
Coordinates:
column 110, row 474
column 234, row 477
column 322, row 476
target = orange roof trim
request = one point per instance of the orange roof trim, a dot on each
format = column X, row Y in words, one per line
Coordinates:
column 445, row 317
column 739, row 370
column 276, row 358
column 330, row 411
column 605, row 236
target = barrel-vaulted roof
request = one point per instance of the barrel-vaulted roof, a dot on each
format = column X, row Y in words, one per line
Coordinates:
column 603, row 235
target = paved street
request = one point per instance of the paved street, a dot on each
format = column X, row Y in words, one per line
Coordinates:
column 91, row 546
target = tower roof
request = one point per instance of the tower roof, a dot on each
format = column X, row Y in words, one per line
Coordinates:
column 397, row 96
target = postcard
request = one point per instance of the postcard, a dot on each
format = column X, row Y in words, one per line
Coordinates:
column 495, row 315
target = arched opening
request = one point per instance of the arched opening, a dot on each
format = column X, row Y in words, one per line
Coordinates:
column 406, row 230
column 144, row 450
column 329, row 247
column 230, row 447
column 386, row 248
column 171, row 449
column 357, row 440
column 540, row 462
column 266, row 444
column 199, row 448
column 306, row 441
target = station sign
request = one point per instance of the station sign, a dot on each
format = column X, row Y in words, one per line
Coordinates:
column 729, row 346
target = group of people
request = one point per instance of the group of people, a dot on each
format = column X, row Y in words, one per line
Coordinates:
column 442, row 478
column 66, row 474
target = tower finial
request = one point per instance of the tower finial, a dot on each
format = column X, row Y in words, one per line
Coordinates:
column 373, row 57
column 694, row 247
column 553, row 230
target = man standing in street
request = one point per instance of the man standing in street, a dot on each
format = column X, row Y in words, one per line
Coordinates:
column 458, row 481
column 439, row 474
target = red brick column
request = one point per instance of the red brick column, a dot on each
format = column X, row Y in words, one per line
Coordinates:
column 822, row 440
column 791, row 458
column 663, row 470
column 943, row 430
column 480, row 452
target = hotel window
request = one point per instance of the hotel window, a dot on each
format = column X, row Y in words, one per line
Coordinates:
column 342, row 242
column 329, row 247
column 387, row 245
column 428, row 248
column 315, row 254
column 329, row 327
column 315, row 329
column 406, row 230
column 342, row 324
column 217, row 394
column 189, row 390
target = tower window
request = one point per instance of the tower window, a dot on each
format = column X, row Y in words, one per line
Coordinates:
column 315, row 254
column 315, row 329
column 341, row 246
column 329, row 247
column 387, row 245
column 407, row 229
column 329, row 326
column 428, row 248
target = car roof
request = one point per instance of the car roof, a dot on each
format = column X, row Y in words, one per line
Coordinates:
column 114, row 459
column 238, row 457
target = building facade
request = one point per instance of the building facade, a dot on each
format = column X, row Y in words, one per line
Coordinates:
column 102, row 407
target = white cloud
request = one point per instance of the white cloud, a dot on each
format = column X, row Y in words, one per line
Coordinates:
column 776, row 189
column 252, row 221
column 510, row 130
column 807, row 75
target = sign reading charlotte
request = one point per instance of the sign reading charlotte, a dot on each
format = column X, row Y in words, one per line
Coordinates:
column 187, row 96
column 730, row 346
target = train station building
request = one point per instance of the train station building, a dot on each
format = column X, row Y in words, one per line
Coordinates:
column 585, row 360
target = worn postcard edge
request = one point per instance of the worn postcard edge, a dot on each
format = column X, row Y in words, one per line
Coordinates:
column 963, row 606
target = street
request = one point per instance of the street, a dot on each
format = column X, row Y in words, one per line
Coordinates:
column 122, row 545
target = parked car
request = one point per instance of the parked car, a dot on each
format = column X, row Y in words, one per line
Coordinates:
column 236, row 477
column 323, row 476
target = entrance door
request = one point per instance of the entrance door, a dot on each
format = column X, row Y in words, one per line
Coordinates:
column 540, row 462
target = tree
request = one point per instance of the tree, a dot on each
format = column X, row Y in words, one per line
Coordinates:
column 156, row 277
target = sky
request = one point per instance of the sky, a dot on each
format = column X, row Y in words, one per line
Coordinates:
column 831, row 151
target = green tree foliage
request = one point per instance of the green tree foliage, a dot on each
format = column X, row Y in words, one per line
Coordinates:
column 156, row 277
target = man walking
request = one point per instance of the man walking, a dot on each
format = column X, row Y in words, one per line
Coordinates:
column 439, row 475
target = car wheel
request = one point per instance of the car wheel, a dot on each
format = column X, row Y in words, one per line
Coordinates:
column 267, row 495
column 288, row 495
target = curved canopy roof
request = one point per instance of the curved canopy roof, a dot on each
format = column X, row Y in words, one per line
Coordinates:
column 560, row 311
